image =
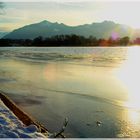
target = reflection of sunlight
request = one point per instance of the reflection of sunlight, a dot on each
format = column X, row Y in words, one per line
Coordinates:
column 129, row 74
column 51, row 72
column 134, row 116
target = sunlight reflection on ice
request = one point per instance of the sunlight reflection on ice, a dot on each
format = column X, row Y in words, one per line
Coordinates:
column 129, row 75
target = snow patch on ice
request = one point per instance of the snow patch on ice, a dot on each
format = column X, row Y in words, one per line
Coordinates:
column 12, row 127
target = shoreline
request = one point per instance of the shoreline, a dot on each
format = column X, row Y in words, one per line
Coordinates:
column 20, row 114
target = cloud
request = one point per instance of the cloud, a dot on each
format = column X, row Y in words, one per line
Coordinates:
column 1, row 4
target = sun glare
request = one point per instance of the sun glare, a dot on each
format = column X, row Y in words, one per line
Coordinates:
column 129, row 75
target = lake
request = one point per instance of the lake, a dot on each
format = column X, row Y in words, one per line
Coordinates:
column 86, row 85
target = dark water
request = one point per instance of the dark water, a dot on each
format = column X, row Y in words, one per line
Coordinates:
column 84, row 84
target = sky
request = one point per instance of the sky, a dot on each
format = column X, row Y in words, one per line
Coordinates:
column 71, row 12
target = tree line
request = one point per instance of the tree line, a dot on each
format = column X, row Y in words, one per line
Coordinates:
column 69, row 40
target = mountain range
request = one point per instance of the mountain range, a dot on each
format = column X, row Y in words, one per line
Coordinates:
column 2, row 34
column 46, row 28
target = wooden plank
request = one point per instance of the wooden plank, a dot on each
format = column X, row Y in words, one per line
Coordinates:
column 24, row 117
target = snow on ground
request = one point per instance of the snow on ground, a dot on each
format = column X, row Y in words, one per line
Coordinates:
column 12, row 127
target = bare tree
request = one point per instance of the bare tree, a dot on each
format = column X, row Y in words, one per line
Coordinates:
column 1, row 7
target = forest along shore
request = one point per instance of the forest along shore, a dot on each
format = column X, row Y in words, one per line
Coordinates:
column 17, row 124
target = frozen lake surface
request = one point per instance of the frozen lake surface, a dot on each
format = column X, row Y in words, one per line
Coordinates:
column 86, row 85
